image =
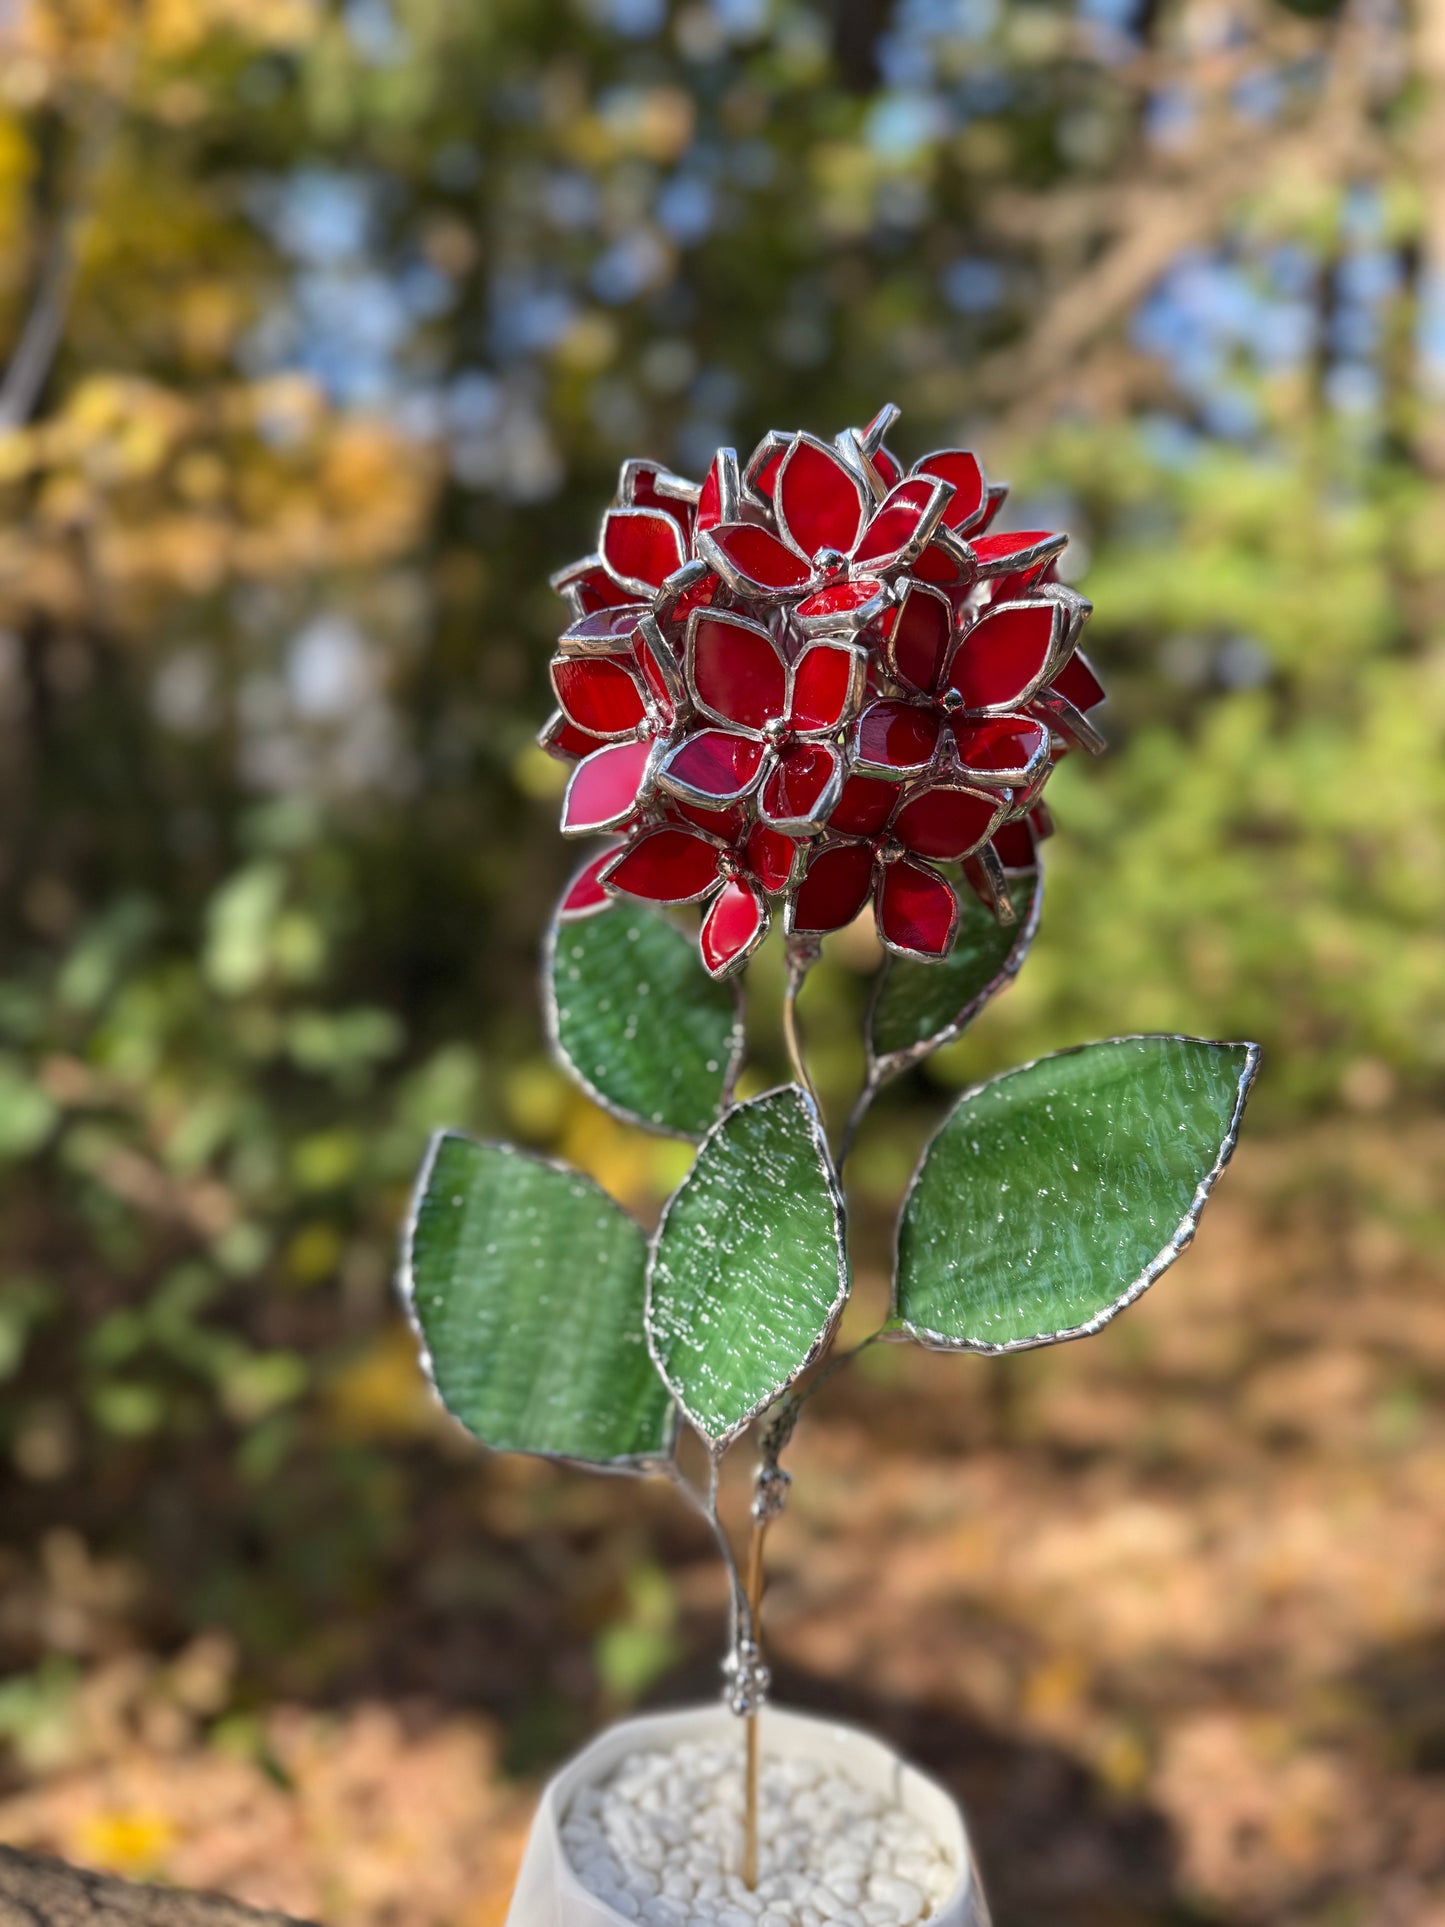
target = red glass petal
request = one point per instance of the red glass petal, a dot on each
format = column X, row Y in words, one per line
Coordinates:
column 827, row 683
column 946, row 562
column 761, row 474
column 888, row 466
column 834, row 889
column 945, row 822
column 1019, row 549
column 903, row 523
column 957, row 466
column 727, row 824
column 771, row 856
column 735, row 670
column 997, row 496
column 919, row 639
column 584, row 895
column 699, row 591
column 1002, row 749
column 563, row 739
column 756, row 560
column 604, row 788
column 665, row 866
column 819, row 499
column 588, row 586
column 796, row 789
column 1003, row 657
column 602, row 629
column 735, row 924
column 864, row 807
column 897, row 737
column 1078, row 684
column 917, row 910
column 710, row 502
column 638, row 489
column 714, row 764
column 599, row 694
column 842, row 607
column 1019, row 582
column 1013, row 845
column 641, row 547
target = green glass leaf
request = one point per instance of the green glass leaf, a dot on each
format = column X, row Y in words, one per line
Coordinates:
column 749, row 1267
column 639, row 1023
column 525, row 1283
column 917, row 1007
column 1052, row 1196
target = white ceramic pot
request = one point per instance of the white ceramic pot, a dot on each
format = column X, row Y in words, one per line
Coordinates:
column 549, row 1894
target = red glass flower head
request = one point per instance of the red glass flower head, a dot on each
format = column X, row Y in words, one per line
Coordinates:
column 811, row 679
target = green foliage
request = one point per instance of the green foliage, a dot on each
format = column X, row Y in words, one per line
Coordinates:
column 526, row 1283
column 749, row 1269
column 639, row 1022
column 1051, row 1197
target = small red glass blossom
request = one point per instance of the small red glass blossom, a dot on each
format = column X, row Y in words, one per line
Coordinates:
column 673, row 862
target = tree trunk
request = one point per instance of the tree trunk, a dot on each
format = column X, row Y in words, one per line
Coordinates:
column 39, row 1892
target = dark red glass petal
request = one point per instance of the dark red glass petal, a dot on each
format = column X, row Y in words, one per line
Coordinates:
column 641, row 547
column 604, row 788
column 945, row 562
column 889, row 468
column 796, row 788
column 864, row 807
column 602, row 629
column 736, row 671
column 1013, row 845
column 819, row 500
column 834, row 889
column 640, row 490
column 916, row 908
column 902, row 524
column 588, row 585
column 600, row 694
column 919, row 639
column 659, row 672
column 709, row 502
column 674, row 607
column 1001, row 749
column 897, row 736
column 841, row 606
column 584, row 895
column 727, row 824
column 714, row 764
column 827, row 683
column 1078, row 684
column 665, row 866
column 957, row 466
column 1002, row 658
column 771, row 856
column 945, row 822
column 756, row 559
column 563, row 739
column 997, row 496
column 1019, row 549
column 761, row 474
column 735, row 924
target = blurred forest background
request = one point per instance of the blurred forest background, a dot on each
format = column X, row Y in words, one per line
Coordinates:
column 324, row 328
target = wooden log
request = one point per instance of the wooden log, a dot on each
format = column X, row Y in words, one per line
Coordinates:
column 36, row 1891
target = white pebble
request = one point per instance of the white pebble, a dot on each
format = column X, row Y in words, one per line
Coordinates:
column 660, row 1841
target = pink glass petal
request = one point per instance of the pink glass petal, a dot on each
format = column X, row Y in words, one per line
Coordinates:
column 796, row 789
column 1002, row 749
column 1077, row 683
column 957, row 466
column 945, row 823
column 756, row 559
column 735, row 670
column 897, row 737
column 1002, row 658
column 584, row 895
column 902, row 524
column 714, row 764
column 641, row 547
column 919, row 639
column 834, row 889
column 735, row 924
column 1019, row 549
column 665, row 866
column 599, row 694
column 864, row 807
column 820, row 502
column 604, row 788
column 563, row 739
column 771, row 856
column 916, row 909
column 827, row 684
